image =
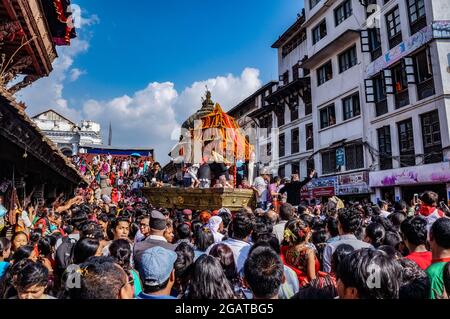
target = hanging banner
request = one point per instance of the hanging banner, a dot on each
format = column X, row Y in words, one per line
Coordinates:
column 403, row 49
column 425, row 174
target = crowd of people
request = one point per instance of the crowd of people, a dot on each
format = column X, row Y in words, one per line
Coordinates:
column 117, row 178
column 88, row 248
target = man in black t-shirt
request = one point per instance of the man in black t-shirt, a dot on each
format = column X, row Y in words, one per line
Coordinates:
column 293, row 188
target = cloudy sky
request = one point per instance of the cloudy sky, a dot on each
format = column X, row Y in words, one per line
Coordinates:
column 144, row 67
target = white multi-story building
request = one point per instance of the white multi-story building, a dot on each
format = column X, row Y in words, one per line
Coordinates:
column 364, row 97
column 335, row 60
column 407, row 90
column 67, row 135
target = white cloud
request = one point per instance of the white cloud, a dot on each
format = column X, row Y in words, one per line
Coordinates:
column 226, row 90
column 75, row 74
column 151, row 117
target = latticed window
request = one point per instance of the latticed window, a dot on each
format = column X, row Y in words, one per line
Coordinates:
column 406, row 143
column 431, row 133
column 385, row 147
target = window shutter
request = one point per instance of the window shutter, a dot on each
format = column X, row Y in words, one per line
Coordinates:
column 388, row 83
column 370, row 91
column 365, row 42
column 408, row 64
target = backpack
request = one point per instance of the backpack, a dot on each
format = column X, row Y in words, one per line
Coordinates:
column 64, row 254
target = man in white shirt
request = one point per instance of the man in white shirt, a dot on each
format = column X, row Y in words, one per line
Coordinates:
column 260, row 186
column 239, row 242
column 349, row 221
column 384, row 209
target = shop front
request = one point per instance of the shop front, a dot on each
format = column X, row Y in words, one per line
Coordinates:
column 320, row 189
column 408, row 181
column 354, row 187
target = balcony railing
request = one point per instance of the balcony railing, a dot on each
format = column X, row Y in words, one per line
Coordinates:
column 433, row 154
column 395, row 40
column 381, row 107
column 407, row 160
column 418, row 25
column 402, row 99
column 425, row 89
column 376, row 53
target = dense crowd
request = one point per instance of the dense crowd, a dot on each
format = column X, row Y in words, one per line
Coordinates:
column 93, row 248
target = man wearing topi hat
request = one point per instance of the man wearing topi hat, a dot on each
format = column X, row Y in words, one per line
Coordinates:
column 260, row 187
column 156, row 238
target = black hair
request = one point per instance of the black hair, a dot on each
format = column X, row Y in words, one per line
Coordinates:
column 392, row 239
column 356, row 270
column 78, row 218
column 308, row 219
column 268, row 240
column 415, row 231
column 183, row 231
column 339, row 254
column 376, row 211
column 101, row 279
column 225, row 256
column 84, row 249
column 120, row 250
column 242, row 225
column 226, row 219
column 440, row 232
column 35, row 237
column 296, row 232
column 397, row 219
column 196, row 225
column 382, row 203
column 90, row 229
column 209, row 280
column 399, row 206
column 184, row 261
column 103, row 217
column 204, row 239
column 45, row 246
column 286, row 211
column 264, row 272
column 332, row 226
column 350, row 220
column 260, row 229
column 22, row 253
column 387, row 224
column 29, row 274
column 376, row 233
column 5, row 244
column 391, row 252
column 415, row 282
column 430, row 198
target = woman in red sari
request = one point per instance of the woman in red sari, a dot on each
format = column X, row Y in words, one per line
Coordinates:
column 297, row 254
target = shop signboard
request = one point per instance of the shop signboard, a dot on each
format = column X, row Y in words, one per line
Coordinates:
column 426, row 174
column 351, row 184
column 325, row 186
column 441, row 29
column 340, row 157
